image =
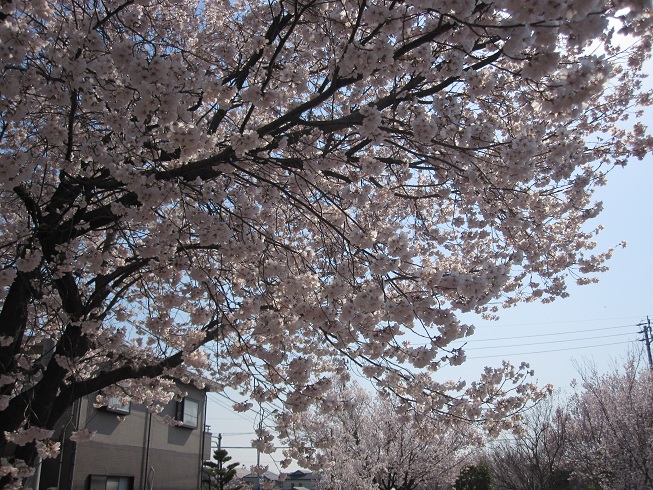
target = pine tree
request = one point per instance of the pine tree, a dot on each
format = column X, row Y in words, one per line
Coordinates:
column 221, row 471
column 474, row 477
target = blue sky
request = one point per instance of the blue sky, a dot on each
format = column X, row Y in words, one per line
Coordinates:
column 598, row 322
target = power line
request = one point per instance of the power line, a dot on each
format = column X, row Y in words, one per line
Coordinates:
column 241, row 415
column 547, row 342
column 473, row 341
column 551, row 334
column 594, row 320
column 549, row 351
column 251, row 415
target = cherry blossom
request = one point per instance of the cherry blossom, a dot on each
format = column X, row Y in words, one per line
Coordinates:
column 371, row 442
column 260, row 195
column 83, row 435
column 610, row 437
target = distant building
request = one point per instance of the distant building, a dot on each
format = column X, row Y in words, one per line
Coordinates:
column 132, row 449
column 252, row 479
column 300, row 480
column 297, row 480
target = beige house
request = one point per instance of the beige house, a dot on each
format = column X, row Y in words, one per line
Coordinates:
column 300, row 480
column 132, row 448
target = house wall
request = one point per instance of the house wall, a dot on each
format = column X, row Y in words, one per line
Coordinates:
column 299, row 479
column 138, row 445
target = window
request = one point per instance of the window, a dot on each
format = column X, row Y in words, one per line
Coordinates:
column 188, row 412
column 103, row 482
column 117, row 406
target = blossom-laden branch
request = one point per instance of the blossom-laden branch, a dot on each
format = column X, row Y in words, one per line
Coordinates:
column 266, row 193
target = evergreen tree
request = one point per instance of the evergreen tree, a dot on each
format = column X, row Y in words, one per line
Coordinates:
column 221, row 471
column 474, row 477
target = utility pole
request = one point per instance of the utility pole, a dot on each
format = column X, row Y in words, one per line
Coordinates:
column 648, row 338
column 258, row 452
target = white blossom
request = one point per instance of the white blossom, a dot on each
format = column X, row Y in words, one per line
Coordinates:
column 82, row 435
column 263, row 195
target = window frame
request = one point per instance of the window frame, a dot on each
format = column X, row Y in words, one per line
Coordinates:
column 114, row 405
column 182, row 413
column 96, row 481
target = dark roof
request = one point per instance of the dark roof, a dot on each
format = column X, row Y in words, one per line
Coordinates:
column 300, row 475
column 268, row 475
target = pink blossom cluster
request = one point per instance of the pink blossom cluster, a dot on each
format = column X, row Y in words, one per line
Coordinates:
column 377, row 441
column 262, row 194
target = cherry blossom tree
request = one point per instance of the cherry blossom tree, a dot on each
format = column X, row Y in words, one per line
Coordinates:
column 536, row 457
column 372, row 442
column 264, row 192
column 611, row 437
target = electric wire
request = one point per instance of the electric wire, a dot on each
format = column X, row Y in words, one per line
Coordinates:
column 592, row 320
column 552, row 334
column 549, row 351
column 547, row 342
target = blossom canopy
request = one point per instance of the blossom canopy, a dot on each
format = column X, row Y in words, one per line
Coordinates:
column 267, row 192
